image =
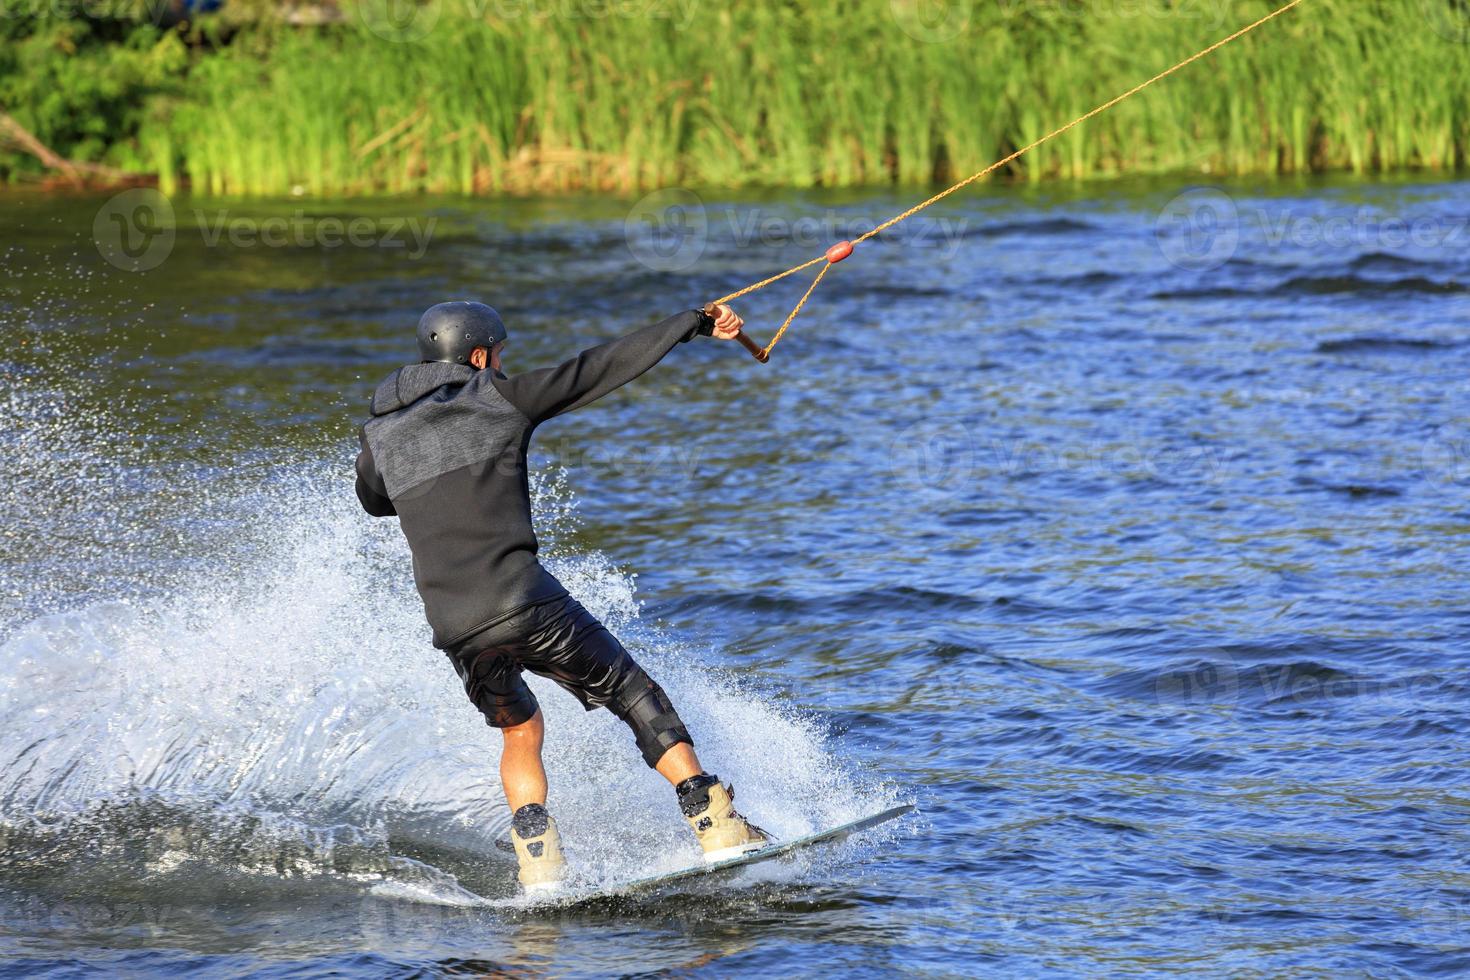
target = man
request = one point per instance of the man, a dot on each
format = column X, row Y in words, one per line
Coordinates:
column 445, row 451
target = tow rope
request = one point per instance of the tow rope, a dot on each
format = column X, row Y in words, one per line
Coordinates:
column 842, row 250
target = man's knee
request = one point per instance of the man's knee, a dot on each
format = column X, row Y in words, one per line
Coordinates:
column 647, row 710
column 526, row 735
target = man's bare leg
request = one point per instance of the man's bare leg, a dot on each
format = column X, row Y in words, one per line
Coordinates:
column 679, row 763
column 533, row 832
column 521, row 771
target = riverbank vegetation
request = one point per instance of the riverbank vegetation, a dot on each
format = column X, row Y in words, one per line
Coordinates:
column 485, row 96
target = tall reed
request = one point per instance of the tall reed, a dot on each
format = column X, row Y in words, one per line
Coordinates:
column 569, row 94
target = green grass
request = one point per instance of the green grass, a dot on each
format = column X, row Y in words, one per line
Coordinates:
column 604, row 95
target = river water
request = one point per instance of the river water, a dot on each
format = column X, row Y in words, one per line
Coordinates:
column 1120, row 529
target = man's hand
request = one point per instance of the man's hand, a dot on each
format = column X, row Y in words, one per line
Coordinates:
column 727, row 323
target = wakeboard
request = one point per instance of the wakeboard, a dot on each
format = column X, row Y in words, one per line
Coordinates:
column 780, row 849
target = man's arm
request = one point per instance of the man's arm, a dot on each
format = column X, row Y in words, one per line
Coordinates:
column 543, row 394
column 370, row 490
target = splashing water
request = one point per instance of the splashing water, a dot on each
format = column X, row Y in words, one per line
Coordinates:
column 265, row 700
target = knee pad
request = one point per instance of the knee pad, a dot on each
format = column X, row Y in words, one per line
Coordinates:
column 647, row 710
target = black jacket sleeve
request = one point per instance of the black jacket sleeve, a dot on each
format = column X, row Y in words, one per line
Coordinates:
column 543, row 394
column 370, row 490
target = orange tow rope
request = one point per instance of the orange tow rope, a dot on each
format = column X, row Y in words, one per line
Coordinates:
column 842, row 250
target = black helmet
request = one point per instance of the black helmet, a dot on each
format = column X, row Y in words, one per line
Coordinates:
column 449, row 331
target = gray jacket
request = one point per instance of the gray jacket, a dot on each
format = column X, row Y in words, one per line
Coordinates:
column 445, row 451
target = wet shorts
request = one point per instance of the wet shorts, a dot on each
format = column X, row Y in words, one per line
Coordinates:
column 557, row 639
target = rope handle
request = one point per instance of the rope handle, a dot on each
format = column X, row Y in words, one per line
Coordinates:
column 833, row 255
column 712, row 310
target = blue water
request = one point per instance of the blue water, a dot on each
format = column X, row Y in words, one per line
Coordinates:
column 1121, row 529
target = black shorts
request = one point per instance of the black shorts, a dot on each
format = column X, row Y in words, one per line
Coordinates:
column 557, row 639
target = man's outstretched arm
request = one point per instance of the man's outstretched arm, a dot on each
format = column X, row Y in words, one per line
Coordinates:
column 549, row 392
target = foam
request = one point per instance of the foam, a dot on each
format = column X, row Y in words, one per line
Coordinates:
column 272, row 671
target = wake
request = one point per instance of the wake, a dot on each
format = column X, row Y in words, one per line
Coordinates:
column 265, row 701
